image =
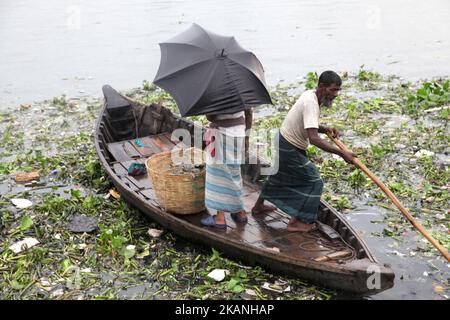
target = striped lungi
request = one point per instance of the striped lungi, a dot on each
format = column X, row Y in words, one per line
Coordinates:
column 297, row 186
column 223, row 186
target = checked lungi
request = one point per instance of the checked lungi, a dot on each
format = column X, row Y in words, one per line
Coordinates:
column 223, row 185
column 297, row 186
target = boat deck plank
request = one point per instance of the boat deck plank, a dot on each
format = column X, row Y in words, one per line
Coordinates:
column 118, row 151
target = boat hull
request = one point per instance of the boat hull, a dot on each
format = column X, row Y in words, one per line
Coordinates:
column 362, row 275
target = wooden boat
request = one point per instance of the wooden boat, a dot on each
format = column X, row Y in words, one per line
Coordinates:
column 344, row 263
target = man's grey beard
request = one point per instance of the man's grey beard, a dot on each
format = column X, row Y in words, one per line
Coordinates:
column 327, row 101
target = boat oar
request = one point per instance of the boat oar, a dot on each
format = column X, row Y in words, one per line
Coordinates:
column 394, row 199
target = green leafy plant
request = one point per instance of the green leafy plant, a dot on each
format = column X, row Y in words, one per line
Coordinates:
column 148, row 86
column 312, row 79
column 430, row 95
column 366, row 75
column 356, row 179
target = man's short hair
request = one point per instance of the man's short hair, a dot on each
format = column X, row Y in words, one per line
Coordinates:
column 329, row 77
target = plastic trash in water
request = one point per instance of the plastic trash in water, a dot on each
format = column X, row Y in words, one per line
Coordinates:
column 23, row 245
column 22, row 203
column 218, row 274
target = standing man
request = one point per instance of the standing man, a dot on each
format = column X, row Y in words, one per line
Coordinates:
column 297, row 187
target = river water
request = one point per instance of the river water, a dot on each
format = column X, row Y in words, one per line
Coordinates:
column 75, row 46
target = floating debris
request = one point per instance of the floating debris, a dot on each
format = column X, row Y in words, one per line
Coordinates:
column 57, row 293
column 23, row 245
column 22, row 203
column 336, row 157
column 27, row 176
column 218, row 274
column 44, row 284
column 143, row 254
column 72, row 104
column 272, row 287
column 439, row 289
column 114, row 194
column 155, row 233
column 25, row 106
column 54, row 172
column 251, row 292
column 436, row 109
column 396, row 253
column 423, row 152
column 82, row 223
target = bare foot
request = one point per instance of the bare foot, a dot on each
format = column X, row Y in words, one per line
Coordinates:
column 240, row 216
column 295, row 225
column 220, row 217
column 263, row 208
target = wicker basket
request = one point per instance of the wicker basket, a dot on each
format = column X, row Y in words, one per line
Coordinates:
column 180, row 193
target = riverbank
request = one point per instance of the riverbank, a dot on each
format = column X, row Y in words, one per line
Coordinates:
column 399, row 130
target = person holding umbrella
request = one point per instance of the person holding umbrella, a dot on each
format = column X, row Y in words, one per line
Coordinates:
column 225, row 152
column 209, row 74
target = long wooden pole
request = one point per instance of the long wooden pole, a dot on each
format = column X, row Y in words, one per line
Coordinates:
column 394, row 199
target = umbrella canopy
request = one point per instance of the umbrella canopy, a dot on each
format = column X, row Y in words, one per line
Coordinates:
column 207, row 73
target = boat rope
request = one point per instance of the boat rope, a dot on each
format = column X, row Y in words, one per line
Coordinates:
column 317, row 240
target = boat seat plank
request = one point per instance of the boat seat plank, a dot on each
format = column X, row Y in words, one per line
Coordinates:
column 117, row 150
column 129, row 183
column 144, row 151
column 149, row 143
column 174, row 140
column 163, row 143
column 127, row 150
column 166, row 141
column 119, row 169
column 123, row 150
column 143, row 182
column 150, row 196
column 130, row 149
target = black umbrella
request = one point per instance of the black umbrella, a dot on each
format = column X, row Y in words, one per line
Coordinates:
column 207, row 73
